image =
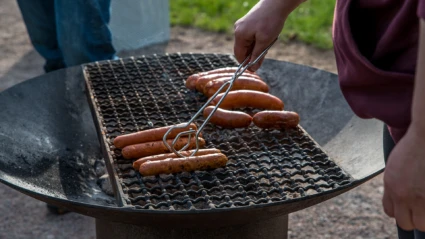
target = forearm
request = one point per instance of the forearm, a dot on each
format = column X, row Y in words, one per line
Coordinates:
column 287, row 6
column 418, row 106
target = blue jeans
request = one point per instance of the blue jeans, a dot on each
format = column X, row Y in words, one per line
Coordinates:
column 388, row 147
column 69, row 32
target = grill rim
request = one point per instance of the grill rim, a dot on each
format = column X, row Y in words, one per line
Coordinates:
column 115, row 180
column 109, row 161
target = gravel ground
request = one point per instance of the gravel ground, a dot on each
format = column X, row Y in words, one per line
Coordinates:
column 355, row 214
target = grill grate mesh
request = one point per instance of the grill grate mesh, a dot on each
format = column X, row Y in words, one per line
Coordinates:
column 264, row 165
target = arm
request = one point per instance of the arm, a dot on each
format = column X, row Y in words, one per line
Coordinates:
column 260, row 26
column 404, row 179
column 418, row 107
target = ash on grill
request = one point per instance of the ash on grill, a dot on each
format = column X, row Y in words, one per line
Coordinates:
column 264, row 165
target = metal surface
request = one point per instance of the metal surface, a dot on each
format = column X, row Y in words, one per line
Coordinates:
column 45, row 116
column 274, row 228
column 265, row 166
column 44, row 146
column 239, row 71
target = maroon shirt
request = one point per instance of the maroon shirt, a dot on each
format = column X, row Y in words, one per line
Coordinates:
column 376, row 44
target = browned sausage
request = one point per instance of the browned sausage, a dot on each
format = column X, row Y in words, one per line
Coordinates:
column 149, row 135
column 276, row 119
column 203, row 80
column 176, row 165
column 191, row 80
column 137, row 163
column 157, row 147
column 249, row 98
column 242, row 83
column 227, row 118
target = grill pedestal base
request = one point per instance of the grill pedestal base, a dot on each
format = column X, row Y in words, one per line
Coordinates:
column 275, row 228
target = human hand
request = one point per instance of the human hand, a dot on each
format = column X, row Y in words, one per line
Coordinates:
column 404, row 182
column 260, row 27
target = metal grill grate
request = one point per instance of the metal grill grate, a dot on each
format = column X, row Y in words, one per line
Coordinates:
column 264, row 166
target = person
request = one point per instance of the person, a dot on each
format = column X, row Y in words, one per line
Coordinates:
column 380, row 54
column 68, row 33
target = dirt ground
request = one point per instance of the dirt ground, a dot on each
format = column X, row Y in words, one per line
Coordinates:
column 355, row 214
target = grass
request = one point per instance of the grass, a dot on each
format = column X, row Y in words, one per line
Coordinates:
column 310, row 23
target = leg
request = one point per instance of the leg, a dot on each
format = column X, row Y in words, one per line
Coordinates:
column 39, row 18
column 83, row 31
column 388, row 147
column 419, row 235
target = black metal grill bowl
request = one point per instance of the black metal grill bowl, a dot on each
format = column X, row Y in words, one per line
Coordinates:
column 48, row 147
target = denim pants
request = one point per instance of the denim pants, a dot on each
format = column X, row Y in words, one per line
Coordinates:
column 68, row 32
column 388, row 147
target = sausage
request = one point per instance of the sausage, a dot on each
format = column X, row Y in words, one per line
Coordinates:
column 276, row 119
column 149, row 135
column 227, row 118
column 249, row 98
column 157, row 147
column 203, row 80
column 242, row 83
column 137, row 163
column 176, row 165
column 191, row 80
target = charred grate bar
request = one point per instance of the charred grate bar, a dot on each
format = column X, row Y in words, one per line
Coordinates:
column 265, row 166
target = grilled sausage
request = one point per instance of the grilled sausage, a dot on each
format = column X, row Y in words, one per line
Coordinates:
column 191, row 80
column 203, row 80
column 149, row 135
column 276, row 119
column 249, row 98
column 137, row 163
column 157, row 147
column 227, row 118
column 242, row 83
column 176, row 165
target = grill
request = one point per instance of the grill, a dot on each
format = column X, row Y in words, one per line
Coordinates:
column 47, row 123
column 264, row 167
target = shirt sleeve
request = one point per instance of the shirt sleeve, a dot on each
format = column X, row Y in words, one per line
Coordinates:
column 421, row 9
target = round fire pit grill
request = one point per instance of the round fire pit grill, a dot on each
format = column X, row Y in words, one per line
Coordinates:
column 56, row 127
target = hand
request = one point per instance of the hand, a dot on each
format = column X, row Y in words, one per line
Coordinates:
column 259, row 27
column 404, row 182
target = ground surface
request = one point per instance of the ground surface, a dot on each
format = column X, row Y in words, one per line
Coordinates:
column 356, row 214
column 311, row 22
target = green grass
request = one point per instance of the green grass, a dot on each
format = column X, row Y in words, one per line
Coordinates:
column 310, row 23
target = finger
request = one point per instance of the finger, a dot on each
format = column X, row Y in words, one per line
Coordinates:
column 403, row 216
column 388, row 204
column 260, row 63
column 244, row 42
column 260, row 45
column 419, row 217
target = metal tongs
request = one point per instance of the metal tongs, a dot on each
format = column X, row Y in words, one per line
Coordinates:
column 241, row 69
